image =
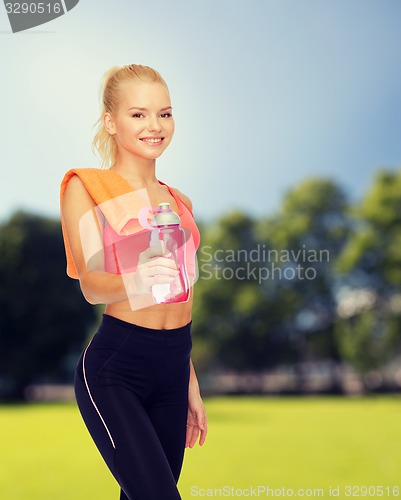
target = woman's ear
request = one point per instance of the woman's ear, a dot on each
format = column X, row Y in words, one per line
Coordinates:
column 109, row 124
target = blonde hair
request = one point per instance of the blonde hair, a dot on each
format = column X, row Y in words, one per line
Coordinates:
column 103, row 142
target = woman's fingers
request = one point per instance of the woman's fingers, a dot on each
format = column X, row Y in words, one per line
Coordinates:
column 151, row 252
column 162, row 263
column 155, row 268
column 192, row 435
column 197, row 424
column 203, row 435
column 202, row 422
column 195, row 434
column 157, row 274
column 160, row 269
column 188, row 438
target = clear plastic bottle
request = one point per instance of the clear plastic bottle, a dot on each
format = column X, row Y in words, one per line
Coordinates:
column 170, row 237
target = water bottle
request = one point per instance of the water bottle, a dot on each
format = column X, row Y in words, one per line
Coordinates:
column 168, row 235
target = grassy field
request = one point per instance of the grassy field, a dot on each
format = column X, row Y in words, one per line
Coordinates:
column 278, row 443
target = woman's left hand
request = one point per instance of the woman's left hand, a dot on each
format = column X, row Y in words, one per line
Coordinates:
column 196, row 421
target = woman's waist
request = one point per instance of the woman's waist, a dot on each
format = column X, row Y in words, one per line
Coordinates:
column 157, row 316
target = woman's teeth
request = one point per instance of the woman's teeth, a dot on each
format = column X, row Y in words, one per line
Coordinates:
column 153, row 141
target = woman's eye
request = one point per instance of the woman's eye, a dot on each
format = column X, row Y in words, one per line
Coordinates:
column 166, row 115
column 137, row 115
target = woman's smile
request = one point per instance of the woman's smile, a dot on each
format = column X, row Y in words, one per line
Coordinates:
column 152, row 141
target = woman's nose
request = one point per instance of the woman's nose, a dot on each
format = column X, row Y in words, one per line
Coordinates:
column 153, row 124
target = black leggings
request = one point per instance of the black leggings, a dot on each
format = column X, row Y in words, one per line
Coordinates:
column 131, row 385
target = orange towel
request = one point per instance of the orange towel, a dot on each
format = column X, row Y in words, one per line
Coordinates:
column 115, row 197
column 120, row 204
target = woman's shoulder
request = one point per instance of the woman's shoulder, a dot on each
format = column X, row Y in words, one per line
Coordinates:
column 72, row 181
column 101, row 184
column 187, row 201
column 75, row 175
column 82, row 173
column 74, row 194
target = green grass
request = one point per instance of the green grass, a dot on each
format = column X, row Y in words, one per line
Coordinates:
column 320, row 442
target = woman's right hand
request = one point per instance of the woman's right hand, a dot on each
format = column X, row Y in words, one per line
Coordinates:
column 153, row 268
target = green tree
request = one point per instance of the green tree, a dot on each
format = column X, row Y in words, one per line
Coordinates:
column 259, row 323
column 230, row 307
column 374, row 249
column 366, row 340
column 305, row 237
column 43, row 316
column 371, row 261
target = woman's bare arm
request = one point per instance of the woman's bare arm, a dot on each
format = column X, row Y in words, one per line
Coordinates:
column 98, row 286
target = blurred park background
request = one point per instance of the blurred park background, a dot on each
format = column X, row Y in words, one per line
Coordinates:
column 288, row 126
column 305, row 300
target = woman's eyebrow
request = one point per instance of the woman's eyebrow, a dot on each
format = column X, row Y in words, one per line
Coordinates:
column 145, row 109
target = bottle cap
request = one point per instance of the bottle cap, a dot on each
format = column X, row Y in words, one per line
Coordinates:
column 165, row 216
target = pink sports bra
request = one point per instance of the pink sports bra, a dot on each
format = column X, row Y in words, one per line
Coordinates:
column 121, row 252
column 116, row 210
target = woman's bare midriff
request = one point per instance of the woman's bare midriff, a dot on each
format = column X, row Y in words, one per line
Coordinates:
column 158, row 316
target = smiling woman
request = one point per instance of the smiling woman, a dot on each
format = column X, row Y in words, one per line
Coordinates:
column 135, row 383
column 151, row 126
column 132, row 93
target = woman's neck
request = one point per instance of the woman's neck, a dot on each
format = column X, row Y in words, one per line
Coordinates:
column 138, row 171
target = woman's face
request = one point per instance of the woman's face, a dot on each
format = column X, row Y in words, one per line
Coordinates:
column 143, row 125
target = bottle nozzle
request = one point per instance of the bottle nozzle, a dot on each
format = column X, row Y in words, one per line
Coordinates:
column 165, row 216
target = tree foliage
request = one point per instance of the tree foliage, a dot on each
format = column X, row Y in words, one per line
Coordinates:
column 254, row 306
column 374, row 249
column 246, row 324
column 371, row 261
column 43, row 316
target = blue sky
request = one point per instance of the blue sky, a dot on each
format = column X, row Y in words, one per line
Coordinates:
column 265, row 93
